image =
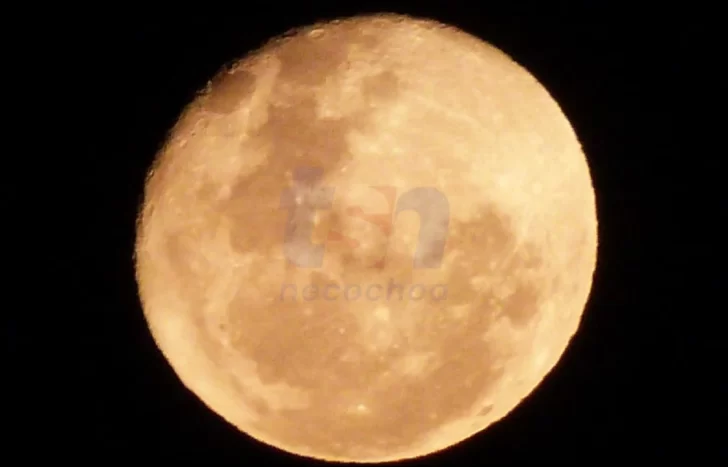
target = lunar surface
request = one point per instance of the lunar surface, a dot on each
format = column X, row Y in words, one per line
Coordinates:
column 368, row 240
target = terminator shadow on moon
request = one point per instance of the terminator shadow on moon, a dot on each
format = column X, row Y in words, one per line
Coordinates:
column 347, row 380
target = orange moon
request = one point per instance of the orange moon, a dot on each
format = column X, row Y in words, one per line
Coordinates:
column 368, row 240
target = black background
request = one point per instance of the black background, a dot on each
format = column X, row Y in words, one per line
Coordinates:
column 627, row 387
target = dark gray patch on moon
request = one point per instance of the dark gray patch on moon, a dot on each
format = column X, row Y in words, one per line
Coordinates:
column 384, row 86
column 231, row 88
column 485, row 410
column 309, row 62
column 519, row 306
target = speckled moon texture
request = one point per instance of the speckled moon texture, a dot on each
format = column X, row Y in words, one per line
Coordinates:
column 368, row 240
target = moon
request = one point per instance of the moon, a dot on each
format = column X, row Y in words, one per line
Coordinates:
column 368, row 240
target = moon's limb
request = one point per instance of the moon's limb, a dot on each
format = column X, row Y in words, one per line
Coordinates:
column 380, row 106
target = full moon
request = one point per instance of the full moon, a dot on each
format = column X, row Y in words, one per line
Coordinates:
column 368, row 240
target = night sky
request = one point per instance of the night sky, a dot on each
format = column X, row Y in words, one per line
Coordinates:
column 627, row 387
